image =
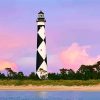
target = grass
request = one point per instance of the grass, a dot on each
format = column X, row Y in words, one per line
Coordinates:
column 50, row 82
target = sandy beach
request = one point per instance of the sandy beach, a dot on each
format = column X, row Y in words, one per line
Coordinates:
column 51, row 88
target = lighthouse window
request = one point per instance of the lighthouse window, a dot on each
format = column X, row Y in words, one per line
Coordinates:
column 41, row 16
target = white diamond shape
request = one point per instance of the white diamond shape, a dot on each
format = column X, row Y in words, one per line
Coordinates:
column 42, row 70
column 41, row 32
column 43, row 66
column 42, row 50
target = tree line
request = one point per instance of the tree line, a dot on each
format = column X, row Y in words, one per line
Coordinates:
column 85, row 72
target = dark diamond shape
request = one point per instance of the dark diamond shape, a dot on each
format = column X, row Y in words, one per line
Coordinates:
column 39, row 26
column 45, row 40
column 46, row 59
column 39, row 60
column 39, row 40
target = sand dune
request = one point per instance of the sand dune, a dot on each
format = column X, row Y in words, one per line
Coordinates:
column 51, row 88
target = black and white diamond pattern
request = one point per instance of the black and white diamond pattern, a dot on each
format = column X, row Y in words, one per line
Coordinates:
column 41, row 63
column 41, row 32
column 42, row 50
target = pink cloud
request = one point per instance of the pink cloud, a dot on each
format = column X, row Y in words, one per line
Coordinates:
column 76, row 55
column 12, row 45
column 7, row 64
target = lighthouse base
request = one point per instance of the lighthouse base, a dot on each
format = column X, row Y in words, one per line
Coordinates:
column 42, row 74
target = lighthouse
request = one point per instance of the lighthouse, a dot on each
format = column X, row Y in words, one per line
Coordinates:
column 41, row 56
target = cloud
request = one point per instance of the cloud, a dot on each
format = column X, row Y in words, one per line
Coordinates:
column 7, row 64
column 76, row 55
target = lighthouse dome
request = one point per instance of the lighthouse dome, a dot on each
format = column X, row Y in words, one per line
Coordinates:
column 40, row 12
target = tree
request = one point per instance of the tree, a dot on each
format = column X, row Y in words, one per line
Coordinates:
column 2, row 76
column 33, row 76
column 88, row 71
column 63, row 71
column 20, row 75
column 70, row 74
column 53, row 76
column 10, row 73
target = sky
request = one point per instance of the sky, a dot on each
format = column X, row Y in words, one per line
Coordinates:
column 72, row 33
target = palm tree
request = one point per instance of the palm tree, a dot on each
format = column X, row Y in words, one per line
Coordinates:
column 10, row 73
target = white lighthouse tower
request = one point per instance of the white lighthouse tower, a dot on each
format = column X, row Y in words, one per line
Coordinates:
column 41, row 60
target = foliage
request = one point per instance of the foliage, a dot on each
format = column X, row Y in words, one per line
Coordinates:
column 85, row 72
